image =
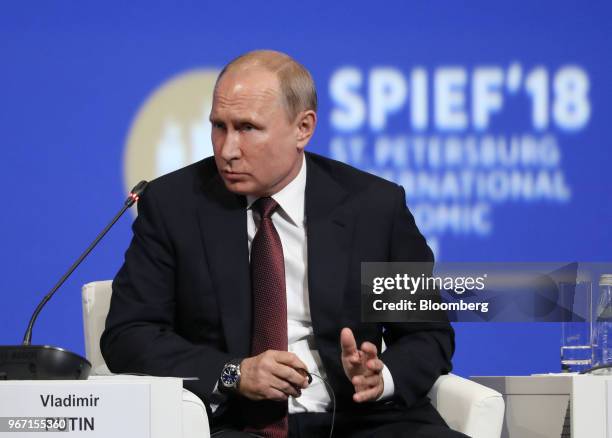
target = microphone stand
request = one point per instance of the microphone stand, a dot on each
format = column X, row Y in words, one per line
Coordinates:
column 44, row 362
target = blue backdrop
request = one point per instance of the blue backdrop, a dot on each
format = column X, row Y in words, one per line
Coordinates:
column 495, row 116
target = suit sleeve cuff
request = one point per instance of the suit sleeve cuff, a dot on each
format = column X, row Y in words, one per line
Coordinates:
column 389, row 386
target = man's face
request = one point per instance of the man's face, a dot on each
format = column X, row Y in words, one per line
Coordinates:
column 257, row 149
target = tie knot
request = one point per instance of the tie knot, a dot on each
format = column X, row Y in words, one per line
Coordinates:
column 265, row 207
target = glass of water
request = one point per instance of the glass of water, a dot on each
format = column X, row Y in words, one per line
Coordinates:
column 575, row 299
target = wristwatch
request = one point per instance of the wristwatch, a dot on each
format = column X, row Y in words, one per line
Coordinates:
column 230, row 376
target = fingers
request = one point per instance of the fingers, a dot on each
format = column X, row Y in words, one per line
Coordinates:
column 375, row 365
column 284, row 387
column 362, row 366
column 290, row 375
column 290, row 368
column 267, row 376
column 347, row 342
column 370, row 394
column 369, row 349
column 289, row 359
column 369, row 385
column 362, row 383
column 370, row 357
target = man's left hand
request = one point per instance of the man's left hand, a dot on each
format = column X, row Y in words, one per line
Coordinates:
column 362, row 367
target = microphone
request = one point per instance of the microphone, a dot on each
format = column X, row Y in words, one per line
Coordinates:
column 44, row 362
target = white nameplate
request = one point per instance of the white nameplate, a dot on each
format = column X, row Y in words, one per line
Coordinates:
column 104, row 408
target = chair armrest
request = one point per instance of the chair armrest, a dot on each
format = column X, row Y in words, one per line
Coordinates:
column 195, row 418
column 468, row 407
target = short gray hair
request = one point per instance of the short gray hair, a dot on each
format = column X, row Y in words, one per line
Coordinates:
column 296, row 84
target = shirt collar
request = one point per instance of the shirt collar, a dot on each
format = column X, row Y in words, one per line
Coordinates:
column 291, row 197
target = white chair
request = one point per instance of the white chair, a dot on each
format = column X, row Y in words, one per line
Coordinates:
column 466, row 406
column 96, row 302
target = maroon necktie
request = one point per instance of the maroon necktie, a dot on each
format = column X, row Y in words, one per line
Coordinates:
column 269, row 312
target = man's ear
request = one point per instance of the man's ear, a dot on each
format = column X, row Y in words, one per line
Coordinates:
column 305, row 126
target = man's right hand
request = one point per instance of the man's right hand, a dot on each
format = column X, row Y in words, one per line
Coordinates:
column 272, row 375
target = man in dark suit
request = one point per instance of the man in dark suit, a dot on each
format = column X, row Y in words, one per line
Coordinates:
column 244, row 271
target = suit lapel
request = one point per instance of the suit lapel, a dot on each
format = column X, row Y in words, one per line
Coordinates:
column 329, row 228
column 222, row 217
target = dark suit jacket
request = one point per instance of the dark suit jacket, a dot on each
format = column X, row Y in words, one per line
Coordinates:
column 181, row 302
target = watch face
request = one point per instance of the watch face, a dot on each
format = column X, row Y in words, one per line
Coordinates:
column 229, row 376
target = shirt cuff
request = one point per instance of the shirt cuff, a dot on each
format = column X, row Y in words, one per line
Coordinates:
column 216, row 398
column 389, row 386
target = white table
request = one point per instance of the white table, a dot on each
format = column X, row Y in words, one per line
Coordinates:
column 554, row 405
